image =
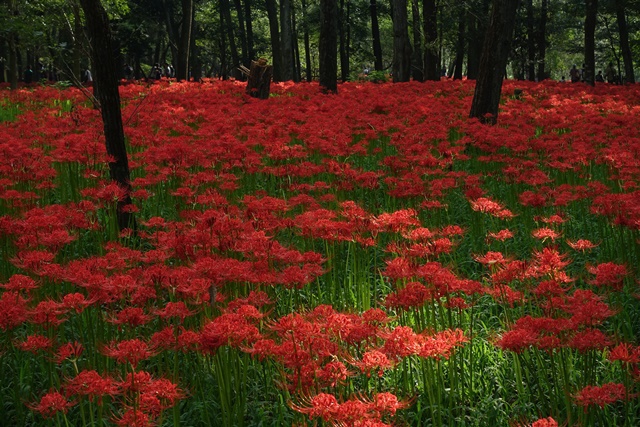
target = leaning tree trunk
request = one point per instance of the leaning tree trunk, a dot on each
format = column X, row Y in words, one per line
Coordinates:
column 589, row 41
column 401, row 45
column 431, row 60
column 375, row 35
column 493, row 61
column 328, row 46
column 542, row 40
column 182, row 66
column 624, row 42
column 106, row 83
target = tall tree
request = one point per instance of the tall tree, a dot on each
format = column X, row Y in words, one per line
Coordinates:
column 182, row 62
column 286, row 38
column 542, row 40
column 375, row 35
column 401, row 46
column 274, row 30
column 624, row 41
column 242, row 33
column 328, row 46
column 249, row 27
column 460, row 42
column 531, row 43
column 307, row 47
column 227, row 25
column 590, row 21
column 343, row 32
column 493, row 62
column 417, row 65
column 431, row 58
column 13, row 47
column 106, row 85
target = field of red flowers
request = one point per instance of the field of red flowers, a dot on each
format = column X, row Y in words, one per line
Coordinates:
column 371, row 258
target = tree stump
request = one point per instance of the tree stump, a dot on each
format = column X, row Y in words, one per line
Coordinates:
column 259, row 81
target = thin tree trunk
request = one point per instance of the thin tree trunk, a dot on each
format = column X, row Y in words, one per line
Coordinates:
column 417, row 56
column 274, row 30
column 431, row 59
column 531, row 45
column 477, row 28
column 493, row 61
column 249, row 26
column 307, row 49
column 328, row 46
column 106, row 82
column 182, row 66
column 542, row 40
column 375, row 35
column 589, row 41
column 13, row 49
column 624, row 42
column 459, row 60
column 171, row 32
column 235, row 58
column 286, row 38
column 401, row 45
column 297, row 76
column 242, row 33
column 342, row 29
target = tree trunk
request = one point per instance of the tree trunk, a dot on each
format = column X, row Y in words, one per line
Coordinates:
column 182, row 66
column 13, row 49
column 307, row 48
column 401, row 45
column 495, row 52
column 477, row 28
column 343, row 24
column 235, row 58
column 259, row 81
column 274, row 30
column 624, row 42
column 106, row 83
column 589, row 41
column 542, row 40
column 297, row 77
column 375, row 35
column 242, row 33
column 286, row 39
column 531, row 43
column 249, row 26
column 459, row 61
column 431, row 60
column 328, row 46
column 417, row 65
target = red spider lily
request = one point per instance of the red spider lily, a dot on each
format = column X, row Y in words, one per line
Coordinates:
column 13, row 310
column 129, row 351
column 35, row 343
column 486, row 205
column 90, row 384
column 132, row 316
column 333, row 373
column 76, row 302
column 545, row 422
column 414, row 294
column 373, row 360
column 230, row 329
column 601, row 396
column 442, row 344
column 51, row 404
column 625, row 353
column 19, row 282
column 581, row 245
column 48, row 312
column 174, row 309
column 589, row 339
column 501, row 235
column 70, row 350
column 134, row 418
column 322, row 405
column 545, row 233
column 491, row 258
column 608, row 274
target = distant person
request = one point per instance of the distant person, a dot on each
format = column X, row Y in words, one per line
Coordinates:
column 574, row 73
column 28, row 75
column 599, row 77
column 563, row 80
column 610, row 73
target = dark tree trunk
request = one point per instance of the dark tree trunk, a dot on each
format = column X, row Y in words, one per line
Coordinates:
column 106, row 83
column 477, row 29
column 589, row 41
column 13, row 49
column 296, row 49
column 531, row 43
column 495, row 52
column 328, row 46
column 343, row 24
column 228, row 23
column 182, row 65
column 286, row 38
column 401, row 45
column 459, row 61
column 375, row 35
column 249, row 26
column 431, row 59
column 274, row 30
column 259, row 81
column 171, row 32
column 624, row 42
column 417, row 65
column 242, row 33
column 76, row 67
column 542, row 40
column 307, row 48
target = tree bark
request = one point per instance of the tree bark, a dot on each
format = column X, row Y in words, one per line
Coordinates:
column 286, row 38
column 542, row 40
column 459, row 61
column 375, row 35
column 328, row 46
column 343, row 25
column 307, row 48
column 244, row 49
column 182, row 66
column 417, row 63
column 531, row 43
column 274, row 30
column 259, row 81
column 495, row 52
column 431, row 59
column 106, row 83
column 624, row 42
column 589, row 41
column 401, row 46
column 235, row 58
column 249, row 27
